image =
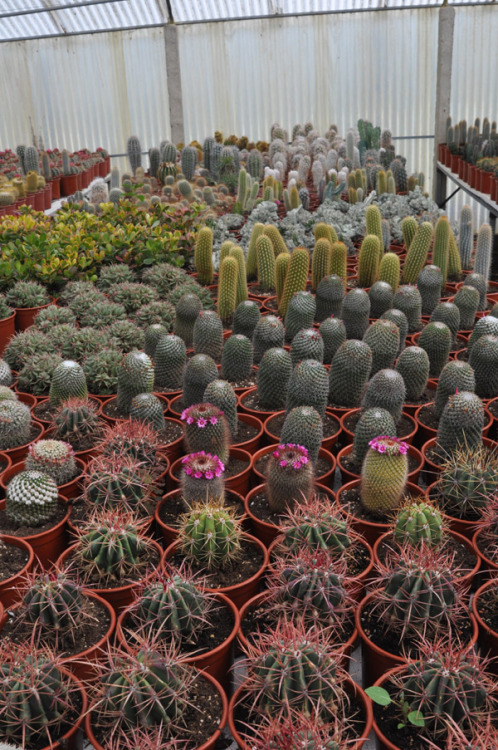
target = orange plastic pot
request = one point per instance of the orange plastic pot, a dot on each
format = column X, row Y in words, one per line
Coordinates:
column 324, row 479
column 238, row 483
column 216, row 662
column 68, row 490
column 7, row 330
column 261, row 414
column 252, row 444
column 26, row 315
column 8, row 587
column 272, row 437
column 489, row 568
column 348, row 476
column 26, row 398
column 488, row 638
column 239, row 593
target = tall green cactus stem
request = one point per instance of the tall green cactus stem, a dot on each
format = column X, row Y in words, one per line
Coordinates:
column 373, row 220
column 146, row 407
column 329, row 297
column 152, row 335
column 382, row 336
column 461, row 422
column 221, row 394
column 135, row 375
column 225, row 248
column 484, row 245
column 381, row 298
column 252, row 256
column 289, row 477
column 454, row 262
column 134, row 150
column 308, row 386
column 389, row 270
column 297, row 276
column 372, row 422
column 68, row 381
column 429, row 282
column 398, row 317
column 486, row 326
column 413, row 365
column 484, row 359
column 447, row 312
column 325, row 230
column 188, row 308
column 210, row 535
column 333, row 334
column 456, row 375
column 266, row 263
column 384, row 475
column 467, row 301
column 274, row 373
column 478, row 282
column 369, row 259
column 303, row 426
column 228, row 287
column 466, row 236
column 355, row 313
column 170, row 360
column 55, row 458
column 31, row 159
column 268, row 333
column 436, row 339
column 408, row 300
column 416, row 256
column 281, row 268
column 246, row 317
column 307, row 344
column 208, row 334
column 409, row 228
column 276, row 239
column 237, row 358
column 199, row 372
column 31, row 498
column 300, row 314
column 386, row 390
column 440, row 250
column 349, row 372
column 418, row 523
column 206, row 428
column 188, row 160
column 203, row 256
column 242, row 294
column 320, row 262
column 338, row 260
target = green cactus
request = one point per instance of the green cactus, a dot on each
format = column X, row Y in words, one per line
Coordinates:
column 436, row 339
column 413, row 365
column 440, row 251
column 300, row 314
column 252, row 257
column 149, row 409
column 279, row 246
column 386, row 390
column 242, row 294
column 187, row 310
column 478, row 282
column 409, row 228
column 48, row 317
column 53, row 602
column 206, row 427
column 266, row 263
column 289, row 477
column 326, row 231
column 134, row 150
column 338, row 260
column 467, row 301
column 329, row 297
column 55, row 458
column 382, row 336
column 15, row 424
column 273, row 378
column 116, row 482
column 135, row 375
column 281, row 267
column 454, row 262
column 202, row 479
column 381, row 298
column 315, row 525
column 418, row 523
column 303, row 426
column 228, row 287
column 237, row 358
column 199, row 372
column 455, row 376
column 355, row 313
column 483, row 359
column 320, row 262
column 461, row 422
column 245, row 319
column 76, row 420
column 486, row 326
column 297, row 276
column 398, row 317
column 333, row 334
column 372, row 422
column 307, row 344
column 188, row 160
column 389, row 270
column 221, row 394
column 169, row 362
column 349, row 372
column 210, row 536
column 268, row 333
column 447, row 312
column 484, row 246
column 408, row 300
column 373, row 220
column 416, row 256
column 468, row 478
column 208, row 334
column 31, row 498
column 384, row 475
column 429, row 284
column 466, row 236
column 5, row 373
column 68, row 381
column 369, row 259
column 203, row 256
column 308, row 386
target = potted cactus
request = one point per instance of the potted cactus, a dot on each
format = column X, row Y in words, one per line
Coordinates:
column 7, row 324
column 28, row 298
column 485, row 539
column 17, row 559
column 77, row 422
column 484, row 607
column 17, row 430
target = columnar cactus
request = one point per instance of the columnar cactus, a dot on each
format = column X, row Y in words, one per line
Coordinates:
column 208, row 334
column 436, row 339
column 274, row 373
column 389, row 270
column 252, row 257
column 338, row 260
column 68, row 381
column 279, row 246
column 372, row 422
column 307, row 344
column 484, row 245
column 227, row 289
column 413, row 365
column 355, row 313
column 188, row 160
column 268, row 333
column 429, row 282
column 382, row 336
column 242, row 293
column 369, row 259
column 170, row 359
column 447, row 312
column 237, row 358
column 135, row 375
column 300, row 314
column 308, row 386
column 384, row 475
column 349, row 372
column 386, row 390
column 266, row 263
column 454, row 262
column 409, row 228
column 281, row 267
column 206, row 427
column 221, row 394
column 408, row 300
column 31, row 498
column 289, row 477
column 146, row 407
column 297, row 276
column 329, row 297
column 303, row 426
column 320, row 262
column 325, row 230
column 203, row 255
column 199, row 372
column 398, row 317
column 461, row 422
column 210, row 535
column 373, row 220
column 484, row 360
column 202, row 478
column 134, row 150
column 187, row 310
column 54, row 457
column 418, row 523
column 455, row 376
column 440, row 250
column 381, row 298
column 245, row 319
column 467, row 301
column 466, row 236
column 480, row 283
column 416, row 256
column 15, row 424
column 333, row 333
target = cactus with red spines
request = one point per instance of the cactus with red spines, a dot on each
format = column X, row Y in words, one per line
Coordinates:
column 135, row 439
column 295, row 731
column 315, row 524
column 117, row 481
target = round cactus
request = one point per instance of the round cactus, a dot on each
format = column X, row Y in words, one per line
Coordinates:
column 221, row 394
column 268, row 333
column 418, row 523
column 478, row 282
column 386, row 390
column 111, row 548
column 308, row 386
column 487, row 326
column 135, row 375
column 436, row 339
column 307, row 344
column 413, row 365
column 349, row 373
column 210, row 535
column 384, row 475
column 68, row 381
column 467, row 301
column 53, row 601
column 315, row 525
column 372, row 422
column 208, row 334
column 206, row 427
column 408, row 300
column 382, row 336
column 15, row 424
column 146, row 407
column 468, row 478
column 398, row 317
column 188, row 308
column 31, row 498
column 289, row 477
column 245, row 318
column 429, row 282
column 484, row 360
column 381, row 298
column 447, row 312
column 333, row 333
column 303, row 426
column 455, row 376
column 54, row 457
column 170, row 359
column 152, row 335
column 461, row 422
column 300, row 314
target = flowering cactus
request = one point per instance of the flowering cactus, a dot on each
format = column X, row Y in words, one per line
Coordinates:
column 384, row 474
column 206, row 427
column 202, row 478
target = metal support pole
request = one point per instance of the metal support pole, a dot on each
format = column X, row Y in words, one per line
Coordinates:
column 443, row 91
column 174, row 83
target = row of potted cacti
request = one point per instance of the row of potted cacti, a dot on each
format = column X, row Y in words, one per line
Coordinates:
column 472, row 153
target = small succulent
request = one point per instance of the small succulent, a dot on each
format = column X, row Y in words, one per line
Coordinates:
column 101, row 370
column 52, row 316
column 25, row 294
column 125, row 336
column 55, row 458
column 156, row 312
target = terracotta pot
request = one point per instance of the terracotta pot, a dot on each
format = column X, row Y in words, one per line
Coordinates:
column 21, row 451
column 353, row 690
column 272, row 437
column 121, row 596
column 26, row 315
column 372, row 530
column 432, row 469
column 8, row 587
column 68, row 184
column 28, row 200
column 489, row 568
column 238, row 483
column 465, row 580
column 259, row 414
column 56, row 188
column 210, row 744
column 216, row 662
column 454, row 163
column 39, row 200
column 266, row 532
column 47, row 196
column 170, row 533
column 239, row 593
column 27, row 398
column 7, row 330
column 48, row 545
column 258, row 476
column 69, row 490
column 488, row 638
column 485, row 182
column 252, row 444
column 348, row 476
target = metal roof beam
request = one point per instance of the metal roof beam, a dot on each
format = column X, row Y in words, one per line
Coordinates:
column 80, row 33
column 64, row 6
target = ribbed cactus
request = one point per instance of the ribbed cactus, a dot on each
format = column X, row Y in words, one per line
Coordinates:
column 289, row 477
column 208, row 334
column 369, row 259
column 333, row 334
column 429, row 284
column 372, row 422
column 68, row 381
column 210, row 536
column 308, row 386
column 407, row 299
column 202, row 478
column 31, row 498
column 468, row 479
column 273, row 378
column 418, row 523
column 245, row 318
column 483, row 359
column 461, row 422
column 237, row 358
column 409, row 228
column 484, row 245
column 325, row 230
column 389, row 270
column 454, row 262
column 268, row 333
column 297, row 276
column 455, row 376
column 188, row 160
column 466, row 236
column 349, row 372
column 76, row 420
column 146, row 407
column 188, row 308
column 170, row 359
column 300, row 314
column 447, row 312
column 252, row 257
column 338, row 260
column 382, row 336
column 199, row 372
column 320, row 262
column 436, row 339
column 440, row 251
column 383, row 476
column 116, row 482
column 135, row 375
column 265, row 263
column 307, row 344
column 5, row 373
column 203, row 255
column 413, row 365
column 227, row 289
column 416, row 256
column 31, row 159
column 381, row 298
column 355, row 313
column 206, row 427
column 329, row 297
column 134, row 150
column 53, row 602
column 316, row 525
column 373, row 220
column 54, row 457
column 386, row 390
column 303, row 426
column 467, row 301
column 221, row 394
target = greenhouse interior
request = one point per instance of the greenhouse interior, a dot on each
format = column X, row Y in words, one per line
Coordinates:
column 249, row 375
